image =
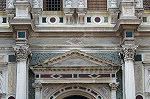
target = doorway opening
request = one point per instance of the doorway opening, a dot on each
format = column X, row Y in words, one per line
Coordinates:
column 75, row 97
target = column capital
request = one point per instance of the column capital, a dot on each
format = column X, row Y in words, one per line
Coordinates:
column 22, row 52
column 37, row 85
column 129, row 51
column 114, row 86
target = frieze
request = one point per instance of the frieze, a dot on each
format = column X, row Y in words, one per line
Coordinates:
column 73, row 75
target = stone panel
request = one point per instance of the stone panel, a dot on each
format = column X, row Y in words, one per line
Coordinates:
column 76, row 41
column 138, row 77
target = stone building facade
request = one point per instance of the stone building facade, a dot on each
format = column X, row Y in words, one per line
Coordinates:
column 83, row 49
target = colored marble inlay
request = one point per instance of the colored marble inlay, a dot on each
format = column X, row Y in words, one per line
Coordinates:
column 45, row 75
column 74, row 75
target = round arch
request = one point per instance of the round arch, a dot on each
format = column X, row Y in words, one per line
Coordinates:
column 76, row 90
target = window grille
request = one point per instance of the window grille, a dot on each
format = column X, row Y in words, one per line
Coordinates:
column 2, row 5
column 146, row 4
column 52, row 5
column 97, row 4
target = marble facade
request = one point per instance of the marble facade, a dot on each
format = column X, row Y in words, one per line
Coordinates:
column 99, row 54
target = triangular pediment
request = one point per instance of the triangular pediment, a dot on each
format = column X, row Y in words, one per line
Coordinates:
column 76, row 58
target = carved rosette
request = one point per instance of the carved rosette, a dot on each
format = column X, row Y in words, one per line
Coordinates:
column 22, row 52
column 129, row 51
column 114, row 86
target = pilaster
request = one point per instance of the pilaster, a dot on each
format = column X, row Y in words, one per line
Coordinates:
column 113, row 87
column 38, row 87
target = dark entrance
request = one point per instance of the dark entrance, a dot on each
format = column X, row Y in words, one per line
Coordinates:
column 75, row 97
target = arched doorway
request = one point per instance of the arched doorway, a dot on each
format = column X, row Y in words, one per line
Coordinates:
column 75, row 97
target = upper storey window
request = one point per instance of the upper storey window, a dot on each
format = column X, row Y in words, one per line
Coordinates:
column 146, row 4
column 52, row 5
column 2, row 5
column 97, row 4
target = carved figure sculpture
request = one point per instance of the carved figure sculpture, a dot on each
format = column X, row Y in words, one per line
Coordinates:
column 68, row 3
column 81, row 3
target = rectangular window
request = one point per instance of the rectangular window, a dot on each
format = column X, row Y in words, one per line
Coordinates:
column 105, row 19
column 129, row 34
column 138, row 58
column 4, row 20
column 52, row 5
column 144, row 19
column 21, row 35
column 2, row 5
column 97, row 5
column 88, row 19
column 43, row 19
column 61, row 19
column 75, row 76
column 11, row 58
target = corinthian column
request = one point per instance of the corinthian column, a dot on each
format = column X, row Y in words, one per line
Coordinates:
column 37, row 87
column 22, row 53
column 113, row 90
column 129, row 53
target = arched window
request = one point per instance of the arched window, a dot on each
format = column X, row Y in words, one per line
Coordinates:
column 11, row 97
column 2, row 5
column 139, row 97
column 52, row 5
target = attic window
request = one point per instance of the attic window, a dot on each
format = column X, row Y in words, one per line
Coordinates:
column 52, row 5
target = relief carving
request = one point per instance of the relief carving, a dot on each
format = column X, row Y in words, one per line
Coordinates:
column 81, row 3
column 10, row 4
column 36, row 4
column 68, row 3
column 129, row 51
column 113, row 86
column 22, row 52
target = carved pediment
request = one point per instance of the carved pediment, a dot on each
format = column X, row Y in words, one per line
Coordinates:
column 75, row 58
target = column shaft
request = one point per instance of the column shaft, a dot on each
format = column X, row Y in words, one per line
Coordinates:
column 21, row 91
column 113, row 94
column 129, row 79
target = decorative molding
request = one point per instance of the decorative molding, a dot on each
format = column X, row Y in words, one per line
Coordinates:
column 114, row 86
column 22, row 52
column 129, row 51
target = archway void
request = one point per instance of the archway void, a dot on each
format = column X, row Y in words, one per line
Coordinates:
column 75, row 97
